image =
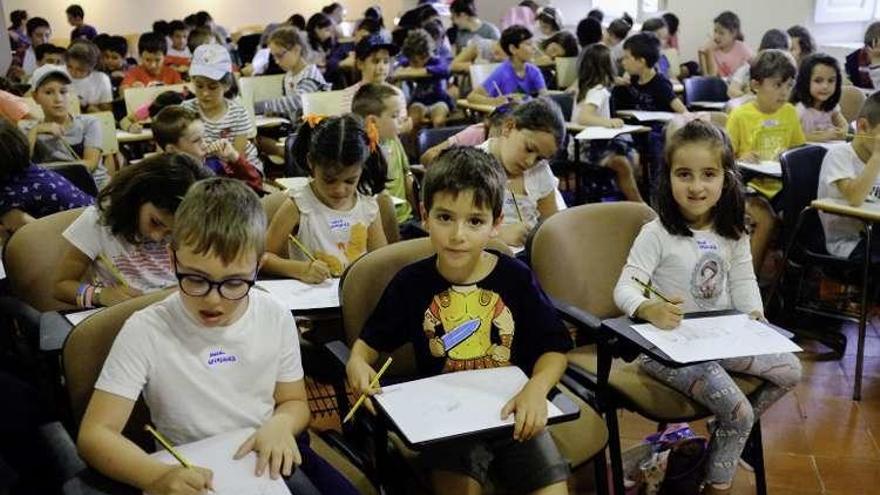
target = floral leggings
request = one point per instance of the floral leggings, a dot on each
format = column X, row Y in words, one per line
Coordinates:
column 710, row 385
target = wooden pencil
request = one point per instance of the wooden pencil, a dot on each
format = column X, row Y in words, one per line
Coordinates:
column 363, row 397
column 302, row 247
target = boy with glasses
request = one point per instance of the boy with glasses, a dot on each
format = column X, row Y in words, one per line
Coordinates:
column 212, row 358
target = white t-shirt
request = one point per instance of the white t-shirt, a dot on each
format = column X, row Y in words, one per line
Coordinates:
column 173, row 52
column 336, row 237
column 709, row 271
column 93, row 89
column 199, row 382
column 145, row 267
column 538, row 182
column 841, row 233
column 599, row 97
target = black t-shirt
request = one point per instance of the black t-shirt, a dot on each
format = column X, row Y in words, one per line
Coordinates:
column 504, row 319
column 654, row 96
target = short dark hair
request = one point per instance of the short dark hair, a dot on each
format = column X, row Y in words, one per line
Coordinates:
column 297, row 21
column 871, row 109
column 730, row 21
column 116, row 44
column 620, row 27
column 161, row 27
column 589, row 31
column 374, row 12
column 316, row 22
column 773, row 63
column 542, row 115
column 176, row 25
column 645, row 46
column 152, row 42
column 729, row 213
column 170, row 123
column 161, row 180
column 198, row 37
column 165, row 99
column 75, row 11
column 370, row 99
column 418, row 43
column 47, row 49
column 338, row 142
column 671, row 22
column 872, row 34
column 801, row 92
column 594, row 67
column 15, row 153
column 564, row 39
column 775, row 38
column 35, row 23
column 596, row 14
column 84, row 51
column 653, row 25
column 16, row 17
column 805, row 39
column 514, row 35
column 464, row 168
column 370, row 25
column 551, row 16
column 466, row 7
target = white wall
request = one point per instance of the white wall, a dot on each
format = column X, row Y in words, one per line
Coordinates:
column 135, row 16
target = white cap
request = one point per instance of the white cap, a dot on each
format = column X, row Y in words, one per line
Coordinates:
column 47, row 70
column 211, row 61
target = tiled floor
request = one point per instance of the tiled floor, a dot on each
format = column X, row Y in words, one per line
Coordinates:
column 816, row 439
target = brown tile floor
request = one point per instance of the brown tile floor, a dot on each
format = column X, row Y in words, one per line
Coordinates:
column 816, row 439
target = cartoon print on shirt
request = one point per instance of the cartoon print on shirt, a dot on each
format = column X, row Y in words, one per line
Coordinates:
column 708, row 279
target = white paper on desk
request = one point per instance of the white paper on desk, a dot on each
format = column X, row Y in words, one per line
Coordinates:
column 230, row 477
column 76, row 318
column 713, row 105
column 717, row 337
column 643, row 116
column 454, row 403
column 300, row 296
column 767, row 167
column 597, row 132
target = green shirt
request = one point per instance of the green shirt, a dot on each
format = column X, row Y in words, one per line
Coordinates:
column 398, row 169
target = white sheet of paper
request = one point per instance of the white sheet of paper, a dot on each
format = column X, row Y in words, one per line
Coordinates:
column 717, row 337
column 76, row 318
column 292, row 182
column 454, row 403
column 2, row 270
column 712, row 105
column 649, row 116
column 768, row 167
column 596, row 132
column 230, row 477
column 300, row 296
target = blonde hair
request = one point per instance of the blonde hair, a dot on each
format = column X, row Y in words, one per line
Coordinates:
column 221, row 216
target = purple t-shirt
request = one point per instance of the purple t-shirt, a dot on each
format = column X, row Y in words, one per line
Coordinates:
column 505, row 78
column 40, row 192
column 83, row 32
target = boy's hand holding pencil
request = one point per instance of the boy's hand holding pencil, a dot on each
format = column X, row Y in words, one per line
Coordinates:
column 663, row 311
column 364, row 382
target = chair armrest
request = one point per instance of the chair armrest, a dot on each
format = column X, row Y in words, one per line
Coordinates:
column 335, row 440
column 576, row 316
column 27, row 316
column 339, row 351
column 54, row 329
column 66, row 462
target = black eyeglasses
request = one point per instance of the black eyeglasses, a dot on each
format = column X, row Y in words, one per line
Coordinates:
column 194, row 285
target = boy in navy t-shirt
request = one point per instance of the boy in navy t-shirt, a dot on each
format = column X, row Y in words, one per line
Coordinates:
column 648, row 90
column 470, row 308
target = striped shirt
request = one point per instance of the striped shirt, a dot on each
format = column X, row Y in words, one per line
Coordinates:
column 308, row 80
column 234, row 123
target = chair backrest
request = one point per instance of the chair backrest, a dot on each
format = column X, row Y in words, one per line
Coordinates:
column 364, row 281
column 260, row 88
column 32, row 256
column 851, row 101
column 432, row 136
column 800, row 180
column 271, row 203
column 704, row 89
column 109, row 143
column 565, row 102
column 566, row 71
column 578, row 254
column 137, row 97
column 85, row 351
column 329, row 103
column 37, row 111
column 481, row 72
column 78, row 175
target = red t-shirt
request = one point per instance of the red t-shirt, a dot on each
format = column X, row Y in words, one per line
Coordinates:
column 139, row 74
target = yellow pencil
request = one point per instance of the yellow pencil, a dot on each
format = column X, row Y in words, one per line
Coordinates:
column 301, row 247
column 165, row 443
column 112, row 269
column 652, row 290
column 364, row 396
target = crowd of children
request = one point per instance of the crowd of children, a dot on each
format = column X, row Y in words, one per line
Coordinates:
column 184, row 211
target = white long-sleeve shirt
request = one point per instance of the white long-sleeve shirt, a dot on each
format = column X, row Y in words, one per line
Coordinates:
column 708, row 271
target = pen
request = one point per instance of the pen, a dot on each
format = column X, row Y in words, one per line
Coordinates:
column 364, row 396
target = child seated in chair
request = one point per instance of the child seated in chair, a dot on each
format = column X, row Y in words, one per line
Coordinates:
column 463, row 196
column 851, row 173
column 161, row 352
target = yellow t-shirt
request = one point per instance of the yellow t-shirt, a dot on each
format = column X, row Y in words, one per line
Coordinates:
column 767, row 134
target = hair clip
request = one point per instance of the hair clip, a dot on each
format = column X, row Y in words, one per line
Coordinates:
column 373, row 136
column 313, row 119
